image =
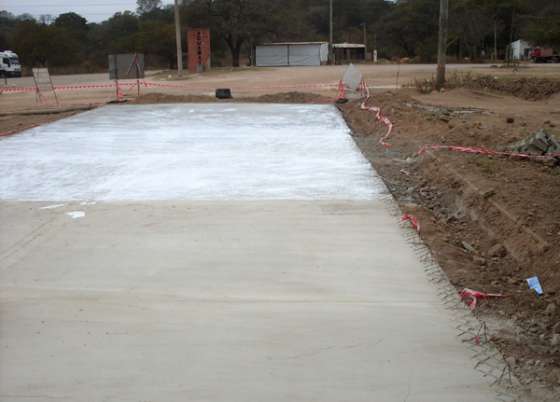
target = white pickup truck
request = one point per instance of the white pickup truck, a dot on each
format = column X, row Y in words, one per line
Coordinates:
column 9, row 64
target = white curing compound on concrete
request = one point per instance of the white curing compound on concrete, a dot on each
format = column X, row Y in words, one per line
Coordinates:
column 188, row 151
column 228, row 300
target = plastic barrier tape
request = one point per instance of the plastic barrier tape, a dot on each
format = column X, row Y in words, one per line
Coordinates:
column 413, row 221
column 471, row 297
column 148, row 84
column 382, row 119
column 485, row 151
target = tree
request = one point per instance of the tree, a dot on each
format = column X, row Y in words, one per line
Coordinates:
column 412, row 29
column 25, row 17
column 31, row 42
column 158, row 39
column 470, row 27
column 543, row 27
column 236, row 21
column 71, row 21
column 398, row 28
column 46, row 19
column 7, row 24
column 119, row 33
column 147, row 6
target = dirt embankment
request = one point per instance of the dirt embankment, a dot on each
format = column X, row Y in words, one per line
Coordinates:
column 14, row 122
column 284, row 97
column 531, row 88
column 490, row 222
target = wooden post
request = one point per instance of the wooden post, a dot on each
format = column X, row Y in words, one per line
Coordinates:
column 331, row 51
column 442, row 42
column 178, row 39
column 364, row 25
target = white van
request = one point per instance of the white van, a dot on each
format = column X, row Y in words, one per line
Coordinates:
column 9, row 64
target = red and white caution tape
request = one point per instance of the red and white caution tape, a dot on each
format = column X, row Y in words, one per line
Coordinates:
column 485, row 151
column 190, row 86
column 453, row 148
column 471, row 297
column 15, row 90
column 383, row 119
column 77, row 87
column 413, row 221
column 341, row 92
column 364, row 90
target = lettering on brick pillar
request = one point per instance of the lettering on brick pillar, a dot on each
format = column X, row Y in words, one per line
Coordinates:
column 199, row 49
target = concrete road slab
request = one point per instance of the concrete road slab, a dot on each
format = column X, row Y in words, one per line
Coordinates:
column 299, row 301
column 288, row 283
column 188, row 151
column 270, row 250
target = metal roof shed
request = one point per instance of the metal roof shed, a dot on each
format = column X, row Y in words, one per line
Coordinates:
column 292, row 54
column 346, row 52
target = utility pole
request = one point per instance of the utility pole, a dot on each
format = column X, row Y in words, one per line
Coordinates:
column 374, row 47
column 331, row 52
column 509, row 59
column 178, row 38
column 495, row 55
column 442, row 42
column 364, row 26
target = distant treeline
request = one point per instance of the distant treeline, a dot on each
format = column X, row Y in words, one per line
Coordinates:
column 478, row 29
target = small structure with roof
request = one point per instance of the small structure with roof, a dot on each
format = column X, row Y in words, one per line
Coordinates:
column 520, row 50
column 349, row 52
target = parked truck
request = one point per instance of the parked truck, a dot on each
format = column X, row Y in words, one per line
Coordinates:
column 545, row 55
column 9, row 64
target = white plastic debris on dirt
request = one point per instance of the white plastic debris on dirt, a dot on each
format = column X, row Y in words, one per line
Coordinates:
column 188, row 151
column 76, row 214
column 55, row 206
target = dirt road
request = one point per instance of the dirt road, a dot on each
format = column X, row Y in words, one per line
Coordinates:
column 84, row 89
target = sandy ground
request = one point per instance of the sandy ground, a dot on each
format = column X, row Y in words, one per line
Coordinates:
column 251, row 82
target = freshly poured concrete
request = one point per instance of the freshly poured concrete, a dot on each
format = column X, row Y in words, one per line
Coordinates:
column 203, row 152
column 223, row 300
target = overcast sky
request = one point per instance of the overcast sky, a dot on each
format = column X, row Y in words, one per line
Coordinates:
column 92, row 10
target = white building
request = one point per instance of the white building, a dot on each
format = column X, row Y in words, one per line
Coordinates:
column 520, row 49
column 292, row 54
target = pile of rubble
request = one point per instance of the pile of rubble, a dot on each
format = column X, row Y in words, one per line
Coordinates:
column 540, row 143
